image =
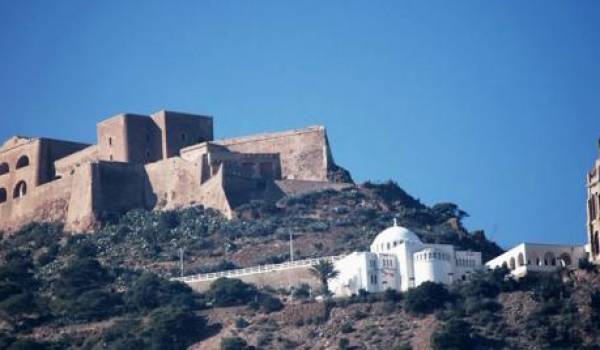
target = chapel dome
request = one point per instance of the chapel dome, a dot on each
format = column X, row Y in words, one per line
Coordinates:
column 392, row 237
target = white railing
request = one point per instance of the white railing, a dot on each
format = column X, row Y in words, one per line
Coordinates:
column 256, row 269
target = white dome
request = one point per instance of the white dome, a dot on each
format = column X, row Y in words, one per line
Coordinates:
column 392, row 237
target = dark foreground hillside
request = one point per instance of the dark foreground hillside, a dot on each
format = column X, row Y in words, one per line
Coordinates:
column 554, row 311
column 108, row 289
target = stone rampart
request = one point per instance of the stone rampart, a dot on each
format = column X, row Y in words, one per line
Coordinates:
column 213, row 195
column 67, row 165
column 48, row 203
column 81, row 216
column 119, row 187
column 304, row 153
column 173, row 183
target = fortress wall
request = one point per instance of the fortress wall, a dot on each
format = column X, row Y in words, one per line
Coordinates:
column 197, row 151
column 304, row 153
column 213, row 195
column 252, row 165
column 119, row 187
column 65, row 165
column 241, row 190
column 46, row 203
column 173, row 183
column 50, row 151
column 299, row 187
column 274, row 279
column 257, row 165
column 84, row 181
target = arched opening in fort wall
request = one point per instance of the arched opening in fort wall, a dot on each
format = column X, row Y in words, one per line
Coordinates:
column 4, row 168
column 22, row 162
column 20, row 189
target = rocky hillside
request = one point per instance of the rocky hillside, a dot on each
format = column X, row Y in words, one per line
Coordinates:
column 108, row 289
column 322, row 223
column 554, row 311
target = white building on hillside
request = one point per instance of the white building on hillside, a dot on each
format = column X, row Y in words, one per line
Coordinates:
column 399, row 260
column 538, row 257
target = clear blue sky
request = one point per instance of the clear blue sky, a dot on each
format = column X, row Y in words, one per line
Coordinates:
column 494, row 105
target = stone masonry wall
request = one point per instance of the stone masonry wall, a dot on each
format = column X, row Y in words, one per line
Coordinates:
column 81, row 216
column 304, row 153
column 52, row 150
column 213, row 194
column 66, row 165
column 119, row 187
column 173, row 183
column 49, row 202
column 274, row 279
column 180, row 130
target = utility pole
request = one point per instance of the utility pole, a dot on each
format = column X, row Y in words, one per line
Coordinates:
column 291, row 246
column 291, row 260
column 181, row 261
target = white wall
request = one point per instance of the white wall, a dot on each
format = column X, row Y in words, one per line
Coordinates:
column 434, row 264
column 354, row 270
column 388, row 274
column 465, row 263
column 538, row 257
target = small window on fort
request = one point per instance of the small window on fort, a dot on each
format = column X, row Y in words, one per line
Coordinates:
column 2, row 195
column 110, row 141
column 20, row 190
column 22, row 162
column 4, row 168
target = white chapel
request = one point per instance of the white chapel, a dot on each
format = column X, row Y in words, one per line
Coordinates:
column 399, row 260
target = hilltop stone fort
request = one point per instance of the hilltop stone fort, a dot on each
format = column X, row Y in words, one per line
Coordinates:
column 164, row 161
